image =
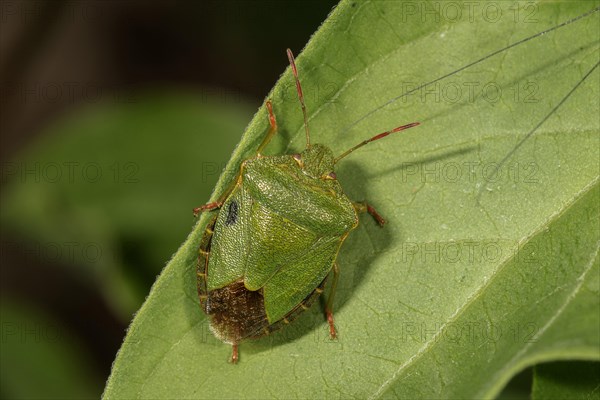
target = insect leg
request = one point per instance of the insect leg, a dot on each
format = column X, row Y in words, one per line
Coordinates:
column 218, row 203
column 234, row 353
column 207, row 207
column 270, row 133
column 272, row 130
column 329, row 306
column 363, row 206
column 220, row 200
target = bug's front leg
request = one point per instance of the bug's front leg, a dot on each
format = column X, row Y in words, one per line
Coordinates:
column 329, row 306
column 215, row 204
column 270, row 133
column 363, row 207
column 272, row 128
column 208, row 206
column 220, row 200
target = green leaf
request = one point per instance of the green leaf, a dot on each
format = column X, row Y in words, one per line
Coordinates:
column 566, row 380
column 459, row 291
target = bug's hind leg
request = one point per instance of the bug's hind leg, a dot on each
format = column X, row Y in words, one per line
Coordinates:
column 363, row 207
column 329, row 306
column 234, row 353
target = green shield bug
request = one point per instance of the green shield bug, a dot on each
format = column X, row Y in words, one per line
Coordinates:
column 266, row 254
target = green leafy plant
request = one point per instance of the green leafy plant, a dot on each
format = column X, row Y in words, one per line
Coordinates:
column 478, row 274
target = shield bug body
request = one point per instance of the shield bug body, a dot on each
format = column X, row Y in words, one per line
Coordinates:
column 265, row 256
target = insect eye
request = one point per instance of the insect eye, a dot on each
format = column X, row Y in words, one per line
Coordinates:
column 330, row 175
column 298, row 159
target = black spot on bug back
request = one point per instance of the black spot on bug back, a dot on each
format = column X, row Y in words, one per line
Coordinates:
column 232, row 213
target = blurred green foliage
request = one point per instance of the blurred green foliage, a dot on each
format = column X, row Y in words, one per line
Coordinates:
column 40, row 360
column 120, row 182
column 107, row 199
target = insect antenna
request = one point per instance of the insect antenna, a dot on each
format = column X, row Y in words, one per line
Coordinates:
column 464, row 67
column 300, row 94
column 374, row 138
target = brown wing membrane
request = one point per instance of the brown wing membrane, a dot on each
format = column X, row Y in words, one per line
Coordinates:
column 236, row 312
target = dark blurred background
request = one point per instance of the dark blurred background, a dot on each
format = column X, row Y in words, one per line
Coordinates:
column 232, row 46
column 116, row 118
